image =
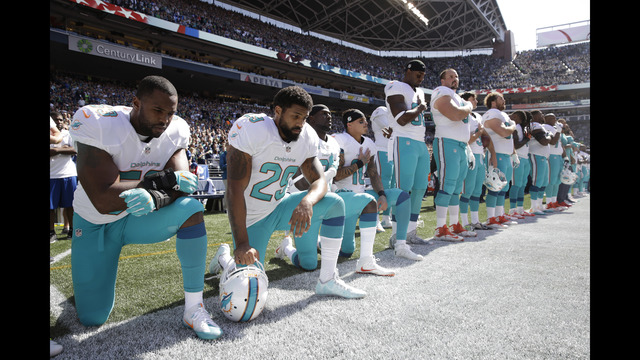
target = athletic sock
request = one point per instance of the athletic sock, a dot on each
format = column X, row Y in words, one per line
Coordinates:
column 329, row 257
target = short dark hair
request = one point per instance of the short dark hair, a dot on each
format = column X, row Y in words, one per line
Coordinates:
column 467, row 95
column 152, row 82
column 521, row 115
column 292, row 95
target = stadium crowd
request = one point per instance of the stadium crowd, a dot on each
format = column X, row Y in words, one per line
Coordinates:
column 551, row 66
column 209, row 120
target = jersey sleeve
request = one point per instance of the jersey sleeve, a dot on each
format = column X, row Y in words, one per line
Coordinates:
column 244, row 132
column 86, row 127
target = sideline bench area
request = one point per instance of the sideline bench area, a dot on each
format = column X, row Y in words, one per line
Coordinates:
column 210, row 190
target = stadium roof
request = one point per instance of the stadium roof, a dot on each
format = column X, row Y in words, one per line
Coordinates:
column 389, row 25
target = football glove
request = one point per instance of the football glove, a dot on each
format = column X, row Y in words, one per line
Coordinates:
column 187, row 181
column 515, row 160
column 139, row 201
column 167, row 179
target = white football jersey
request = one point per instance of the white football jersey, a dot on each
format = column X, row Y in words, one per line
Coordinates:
column 534, row 146
column 524, row 149
column 380, row 119
column 415, row 129
column 274, row 161
column 445, row 128
column 557, row 148
column 502, row 145
column 351, row 149
column 474, row 120
column 109, row 128
column 61, row 165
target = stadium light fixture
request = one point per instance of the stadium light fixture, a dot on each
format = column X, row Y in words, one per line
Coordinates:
column 417, row 12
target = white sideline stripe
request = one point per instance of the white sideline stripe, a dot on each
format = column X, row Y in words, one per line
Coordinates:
column 61, row 256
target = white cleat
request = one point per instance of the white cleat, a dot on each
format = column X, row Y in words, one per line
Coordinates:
column 370, row 266
column 283, row 245
column 405, row 252
column 214, row 265
column 337, row 287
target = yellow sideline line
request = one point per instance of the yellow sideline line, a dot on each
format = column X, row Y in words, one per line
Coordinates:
column 138, row 255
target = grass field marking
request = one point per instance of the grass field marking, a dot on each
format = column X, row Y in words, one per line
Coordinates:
column 139, row 255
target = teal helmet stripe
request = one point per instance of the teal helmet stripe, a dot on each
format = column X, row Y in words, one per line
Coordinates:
column 252, row 299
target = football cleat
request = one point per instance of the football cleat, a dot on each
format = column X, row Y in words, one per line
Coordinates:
column 494, row 223
column 337, row 287
column 479, row 226
column 243, row 291
column 405, row 252
column 392, row 241
column 507, row 220
column 413, row 238
column 283, row 245
column 379, row 228
column 444, row 234
column 198, row 319
column 459, row 230
column 214, row 265
column 370, row 266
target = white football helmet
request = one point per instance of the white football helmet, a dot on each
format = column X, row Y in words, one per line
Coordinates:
column 568, row 177
column 495, row 179
column 243, row 291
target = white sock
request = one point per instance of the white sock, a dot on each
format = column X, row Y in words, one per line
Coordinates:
column 289, row 250
column 329, row 257
column 463, row 219
column 499, row 210
column 367, row 238
column 453, row 214
column 412, row 226
column 474, row 217
column 441, row 216
column 386, row 219
column 191, row 299
column 491, row 212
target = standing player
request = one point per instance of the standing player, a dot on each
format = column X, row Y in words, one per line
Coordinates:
column 382, row 133
column 411, row 162
column 521, row 138
column 356, row 159
column 263, row 154
column 133, row 177
column 450, row 114
column 472, row 187
column 538, row 155
column 499, row 127
column 556, row 163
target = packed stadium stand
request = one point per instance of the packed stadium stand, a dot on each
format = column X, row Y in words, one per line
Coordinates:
column 225, row 64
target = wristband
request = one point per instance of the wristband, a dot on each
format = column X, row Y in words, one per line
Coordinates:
column 160, row 198
column 381, row 193
column 162, row 180
column 359, row 163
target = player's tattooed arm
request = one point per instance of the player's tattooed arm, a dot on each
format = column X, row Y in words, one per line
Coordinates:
column 346, row 171
column 238, row 176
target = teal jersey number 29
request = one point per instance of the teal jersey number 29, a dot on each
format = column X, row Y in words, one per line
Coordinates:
column 277, row 175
